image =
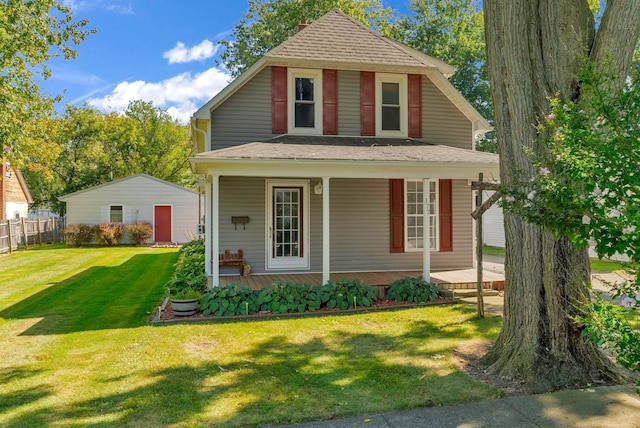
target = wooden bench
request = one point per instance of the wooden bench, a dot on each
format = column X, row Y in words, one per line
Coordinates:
column 231, row 259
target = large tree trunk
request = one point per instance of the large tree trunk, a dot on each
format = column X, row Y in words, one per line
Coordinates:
column 534, row 51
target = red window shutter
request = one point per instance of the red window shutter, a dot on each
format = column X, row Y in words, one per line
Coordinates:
column 330, row 102
column 415, row 106
column 445, row 215
column 279, row 100
column 367, row 103
column 396, row 202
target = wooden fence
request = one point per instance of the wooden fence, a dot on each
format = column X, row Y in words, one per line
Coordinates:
column 26, row 231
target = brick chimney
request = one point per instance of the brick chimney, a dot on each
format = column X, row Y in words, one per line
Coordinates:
column 303, row 24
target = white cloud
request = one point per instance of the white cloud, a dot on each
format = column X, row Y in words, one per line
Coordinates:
column 181, row 95
column 181, row 54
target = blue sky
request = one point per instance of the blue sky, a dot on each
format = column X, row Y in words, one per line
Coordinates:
column 162, row 51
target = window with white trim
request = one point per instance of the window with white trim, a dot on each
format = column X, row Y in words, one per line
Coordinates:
column 116, row 214
column 391, row 105
column 414, row 215
column 305, row 101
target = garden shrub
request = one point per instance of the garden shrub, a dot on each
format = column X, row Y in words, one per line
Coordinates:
column 233, row 299
column 77, row 234
column 189, row 269
column 412, row 290
column 346, row 293
column 281, row 298
column 139, row 233
column 109, row 234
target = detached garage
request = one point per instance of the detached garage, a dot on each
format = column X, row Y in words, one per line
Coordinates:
column 172, row 210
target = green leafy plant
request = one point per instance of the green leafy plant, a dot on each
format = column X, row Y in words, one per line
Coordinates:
column 139, row 233
column 77, row 235
column 346, row 293
column 109, row 234
column 189, row 269
column 284, row 297
column 233, row 299
column 412, row 290
column 186, row 294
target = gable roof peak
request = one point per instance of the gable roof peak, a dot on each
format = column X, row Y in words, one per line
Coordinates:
column 337, row 37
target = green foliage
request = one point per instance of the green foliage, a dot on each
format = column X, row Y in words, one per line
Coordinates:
column 588, row 189
column 452, row 31
column 91, row 147
column 284, row 297
column 78, row 234
column 31, row 33
column 108, row 234
column 189, row 269
column 607, row 326
column 346, row 293
column 412, row 290
column 268, row 23
column 139, row 233
column 233, row 299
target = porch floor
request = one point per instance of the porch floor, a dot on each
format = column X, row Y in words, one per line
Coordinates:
column 453, row 279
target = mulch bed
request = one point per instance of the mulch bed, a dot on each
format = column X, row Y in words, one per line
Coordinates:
column 167, row 316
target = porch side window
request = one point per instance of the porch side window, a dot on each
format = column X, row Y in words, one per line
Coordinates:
column 305, row 95
column 116, row 214
column 414, row 215
column 391, row 105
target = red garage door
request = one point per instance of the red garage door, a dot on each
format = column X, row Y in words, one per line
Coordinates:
column 162, row 220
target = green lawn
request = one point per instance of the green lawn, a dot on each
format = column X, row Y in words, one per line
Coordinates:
column 76, row 350
column 602, row 266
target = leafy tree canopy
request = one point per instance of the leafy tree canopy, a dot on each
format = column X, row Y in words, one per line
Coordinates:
column 266, row 24
column 91, row 147
column 31, row 33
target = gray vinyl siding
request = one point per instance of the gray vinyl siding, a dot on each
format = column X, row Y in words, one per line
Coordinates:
column 349, row 103
column 138, row 196
column 245, row 116
column 442, row 122
column 359, row 226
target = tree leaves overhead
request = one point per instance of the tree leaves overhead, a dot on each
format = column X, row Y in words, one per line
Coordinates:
column 266, row 24
column 451, row 31
column 91, row 148
column 31, row 33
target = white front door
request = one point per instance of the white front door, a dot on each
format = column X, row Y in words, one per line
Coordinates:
column 287, row 224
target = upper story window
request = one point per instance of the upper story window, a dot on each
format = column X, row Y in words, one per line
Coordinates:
column 305, row 105
column 391, row 105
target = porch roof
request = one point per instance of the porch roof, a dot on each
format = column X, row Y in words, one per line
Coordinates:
column 290, row 155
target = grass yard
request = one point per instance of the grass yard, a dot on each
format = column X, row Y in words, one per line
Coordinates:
column 601, row 266
column 76, row 350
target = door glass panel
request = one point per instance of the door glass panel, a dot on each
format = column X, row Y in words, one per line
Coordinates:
column 286, row 221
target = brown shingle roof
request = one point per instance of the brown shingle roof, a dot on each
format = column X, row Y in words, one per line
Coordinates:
column 350, row 149
column 338, row 37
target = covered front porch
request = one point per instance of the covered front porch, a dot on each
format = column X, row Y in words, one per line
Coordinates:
column 464, row 279
column 342, row 201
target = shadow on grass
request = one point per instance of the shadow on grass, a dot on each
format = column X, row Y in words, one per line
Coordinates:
column 101, row 297
column 284, row 381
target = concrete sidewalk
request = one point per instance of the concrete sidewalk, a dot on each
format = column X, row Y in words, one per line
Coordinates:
column 615, row 406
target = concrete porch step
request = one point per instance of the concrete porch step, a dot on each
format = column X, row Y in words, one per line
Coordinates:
column 467, row 292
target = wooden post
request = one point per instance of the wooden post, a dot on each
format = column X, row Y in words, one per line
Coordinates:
column 39, row 232
column 479, row 254
column 9, row 233
column 24, row 233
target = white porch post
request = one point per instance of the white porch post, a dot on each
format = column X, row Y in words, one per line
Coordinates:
column 426, row 231
column 208, row 197
column 215, row 230
column 326, row 241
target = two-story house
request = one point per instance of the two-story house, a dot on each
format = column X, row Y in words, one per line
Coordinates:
column 333, row 151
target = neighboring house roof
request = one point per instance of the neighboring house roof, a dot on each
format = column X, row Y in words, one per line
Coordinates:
column 24, row 186
column 336, row 40
column 71, row 195
column 349, row 149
